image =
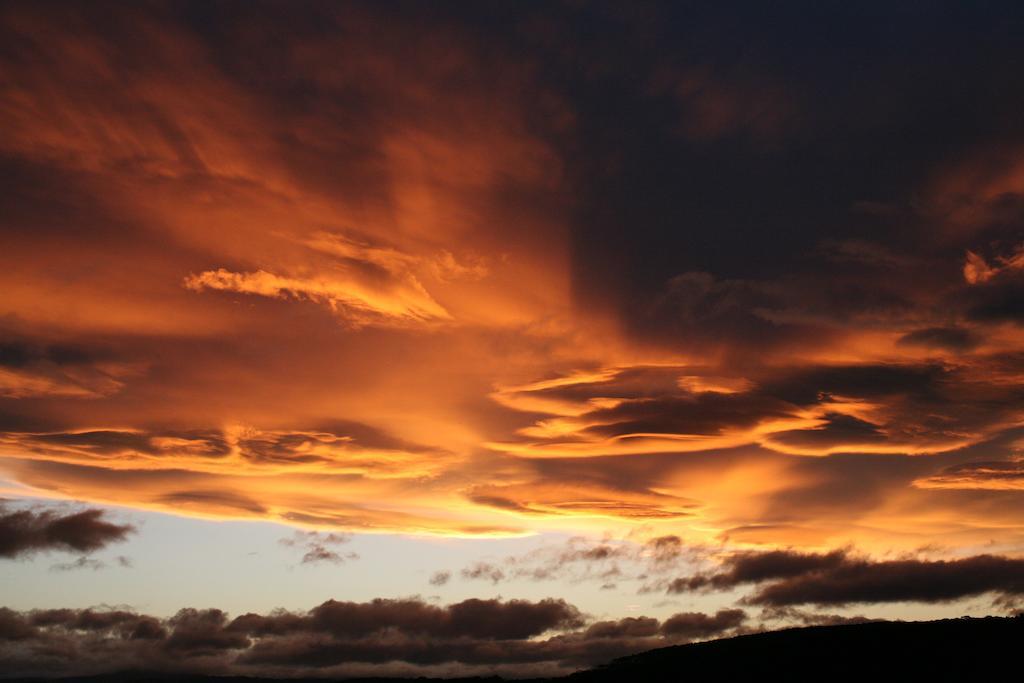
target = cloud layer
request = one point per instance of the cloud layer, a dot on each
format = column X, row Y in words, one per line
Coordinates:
column 381, row 637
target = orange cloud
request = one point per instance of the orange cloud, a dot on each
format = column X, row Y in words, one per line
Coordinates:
column 356, row 303
column 376, row 277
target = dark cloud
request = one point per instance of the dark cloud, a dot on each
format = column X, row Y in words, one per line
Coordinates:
column 474, row 636
column 14, row 626
column 757, row 566
column 806, row 385
column 838, row 429
column 198, row 632
column 785, row 578
column 629, row 626
column 863, row 581
column 697, row 308
column 35, row 364
column 735, row 109
column 793, row 615
column 700, row 625
column 999, row 298
column 27, row 531
column 941, row 338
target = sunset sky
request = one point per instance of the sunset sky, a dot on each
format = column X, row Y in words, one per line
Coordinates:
column 502, row 337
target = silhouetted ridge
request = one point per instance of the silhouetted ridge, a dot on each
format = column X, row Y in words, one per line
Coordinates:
column 950, row 649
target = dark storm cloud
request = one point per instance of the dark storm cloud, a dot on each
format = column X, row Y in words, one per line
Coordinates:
column 27, row 531
column 759, row 199
column 128, row 625
column 14, row 626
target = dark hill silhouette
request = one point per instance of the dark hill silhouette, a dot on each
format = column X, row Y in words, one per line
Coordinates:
column 947, row 650
column 950, row 649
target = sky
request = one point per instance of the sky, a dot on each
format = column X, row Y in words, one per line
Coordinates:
column 409, row 338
